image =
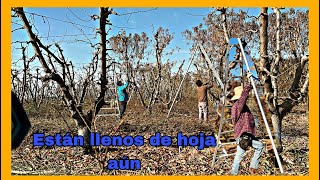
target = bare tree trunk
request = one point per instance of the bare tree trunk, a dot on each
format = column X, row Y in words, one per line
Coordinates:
column 265, row 75
column 104, row 14
column 226, row 36
column 275, row 118
column 24, row 78
column 36, row 88
column 275, row 69
column 103, row 59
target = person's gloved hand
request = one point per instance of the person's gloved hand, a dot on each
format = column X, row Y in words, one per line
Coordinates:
column 125, row 79
column 249, row 74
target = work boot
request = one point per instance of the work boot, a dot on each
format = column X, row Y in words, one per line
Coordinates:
column 253, row 171
column 279, row 147
column 275, row 162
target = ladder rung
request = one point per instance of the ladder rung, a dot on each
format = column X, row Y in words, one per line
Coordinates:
column 108, row 115
column 225, row 132
column 111, row 101
column 110, row 108
column 226, row 155
column 227, row 143
column 236, row 76
column 236, row 61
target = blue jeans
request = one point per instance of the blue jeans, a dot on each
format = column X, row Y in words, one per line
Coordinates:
column 123, row 107
column 240, row 154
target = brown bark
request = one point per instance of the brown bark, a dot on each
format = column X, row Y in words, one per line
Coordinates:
column 296, row 94
column 264, row 63
column 104, row 13
column 32, row 38
column 264, row 66
column 24, row 78
column 226, row 36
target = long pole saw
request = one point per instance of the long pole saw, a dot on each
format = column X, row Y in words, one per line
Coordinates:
column 175, row 97
column 261, row 108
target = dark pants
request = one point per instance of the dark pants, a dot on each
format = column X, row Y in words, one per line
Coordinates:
column 123, row 106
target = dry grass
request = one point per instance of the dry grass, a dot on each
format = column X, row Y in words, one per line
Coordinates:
column 154, row 160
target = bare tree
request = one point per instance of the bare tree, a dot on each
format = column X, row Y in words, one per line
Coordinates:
column 65, row 80
column 152, row 82
column 268, row 70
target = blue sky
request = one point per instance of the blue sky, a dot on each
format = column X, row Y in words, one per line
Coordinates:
column 53, row 25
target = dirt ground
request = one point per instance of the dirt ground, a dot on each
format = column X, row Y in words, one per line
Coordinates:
column 154, row 160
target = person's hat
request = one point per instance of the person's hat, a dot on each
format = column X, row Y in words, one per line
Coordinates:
column 237, row 93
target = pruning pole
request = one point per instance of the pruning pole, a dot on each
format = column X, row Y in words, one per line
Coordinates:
column 214, row 72
column 175, row 97
column 261, row 108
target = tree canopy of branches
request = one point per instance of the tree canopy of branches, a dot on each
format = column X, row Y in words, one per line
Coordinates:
column 281, row 37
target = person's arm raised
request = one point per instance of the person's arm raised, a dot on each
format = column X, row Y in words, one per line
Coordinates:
column 239, row 104
column 208, row 86
column 121, row 88
column 244, row 97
